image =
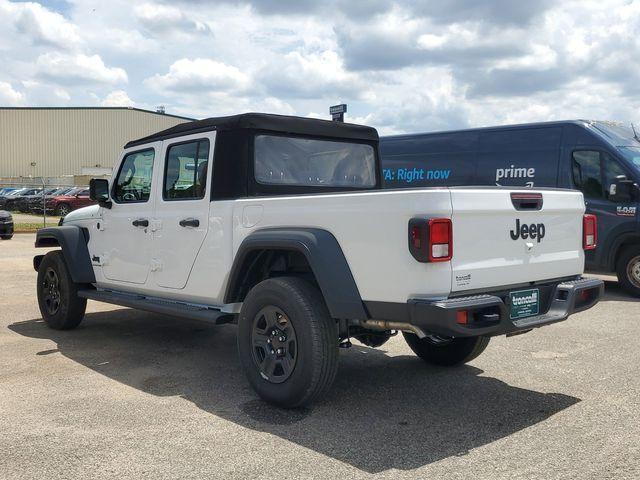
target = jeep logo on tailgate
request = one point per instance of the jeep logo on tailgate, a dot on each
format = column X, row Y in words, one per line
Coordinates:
column 524, row 231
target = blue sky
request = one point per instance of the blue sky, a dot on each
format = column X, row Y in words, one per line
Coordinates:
column 401, row 65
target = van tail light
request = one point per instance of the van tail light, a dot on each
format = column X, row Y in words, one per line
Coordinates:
column 589, row 232
column 431, row 240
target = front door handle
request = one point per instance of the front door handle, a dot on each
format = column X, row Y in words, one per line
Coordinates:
column 189, row 222
column 141, row 222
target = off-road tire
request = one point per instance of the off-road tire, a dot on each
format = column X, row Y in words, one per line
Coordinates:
column 447, row 354
column 628, row 263
column 70, row 308
column 316, row 333
column 6, row 237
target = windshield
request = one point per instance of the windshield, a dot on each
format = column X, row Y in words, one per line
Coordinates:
column 632, row 154
column 618, row 133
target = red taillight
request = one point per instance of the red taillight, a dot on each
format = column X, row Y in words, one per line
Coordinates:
column 589, row 232
column 462, row 317
column 440, row 240
column 431, row 240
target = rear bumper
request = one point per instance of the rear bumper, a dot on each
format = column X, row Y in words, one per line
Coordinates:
column 489, row 314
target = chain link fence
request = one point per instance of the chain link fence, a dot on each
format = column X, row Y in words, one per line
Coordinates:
column 40, row 199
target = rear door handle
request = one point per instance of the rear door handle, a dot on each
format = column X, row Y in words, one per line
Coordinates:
column 141, row 222
column 189, row 222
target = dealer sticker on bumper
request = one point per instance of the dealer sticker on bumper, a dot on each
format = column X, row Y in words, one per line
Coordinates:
column 524, row 303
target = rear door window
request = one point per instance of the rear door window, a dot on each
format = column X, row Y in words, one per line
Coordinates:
column 185, row 175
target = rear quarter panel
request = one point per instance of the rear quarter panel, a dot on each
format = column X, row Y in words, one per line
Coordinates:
column 372, row 229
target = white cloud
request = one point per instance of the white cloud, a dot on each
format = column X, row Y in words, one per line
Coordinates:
column 61, row 94
column 167, row 18
column 39, row 25
column 37, row 92
column 10, row 97
column 312, row 75
column 199, row 75
column 429, row 41
column 78, row 68
column 117, row 98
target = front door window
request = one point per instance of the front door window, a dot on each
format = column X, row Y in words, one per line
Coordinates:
column 133, row 183
column 587, row 173
column 594, row 172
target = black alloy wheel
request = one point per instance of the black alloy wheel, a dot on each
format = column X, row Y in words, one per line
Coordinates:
column 275, row 345
column 51, row 290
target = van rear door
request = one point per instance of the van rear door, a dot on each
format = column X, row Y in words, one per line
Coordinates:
column 502, row 239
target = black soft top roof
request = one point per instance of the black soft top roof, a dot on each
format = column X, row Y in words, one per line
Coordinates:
column 266, row 121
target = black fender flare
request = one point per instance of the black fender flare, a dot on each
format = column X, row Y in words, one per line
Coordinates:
column 325, row 257
column 616, row 245
column 73, row 242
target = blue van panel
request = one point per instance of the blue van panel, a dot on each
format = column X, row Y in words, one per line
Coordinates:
column 430, row 160
column 524, row 157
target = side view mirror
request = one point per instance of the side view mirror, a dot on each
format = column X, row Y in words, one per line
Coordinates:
column 99, row 192
column 622, row 190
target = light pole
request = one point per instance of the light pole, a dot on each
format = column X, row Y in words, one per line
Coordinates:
column 44, row 203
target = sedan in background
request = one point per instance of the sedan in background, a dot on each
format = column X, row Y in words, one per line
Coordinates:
column 63, row 204
column 12, row 200
column 9, row 192
column 5, row 190
column 23, row 204
column 36, row 204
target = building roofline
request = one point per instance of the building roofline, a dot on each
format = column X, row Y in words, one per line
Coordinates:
column 100, row 108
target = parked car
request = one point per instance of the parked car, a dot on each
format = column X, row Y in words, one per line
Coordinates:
column 37, row 206
column 601, row 159
column 6, row 190
column 63, row 204
column 8, row 193
column 13, row 199
column 23, row 204
column 6, row 225
column 289, row 235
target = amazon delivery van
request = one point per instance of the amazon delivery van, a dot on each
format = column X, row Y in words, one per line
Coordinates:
column 602, row 159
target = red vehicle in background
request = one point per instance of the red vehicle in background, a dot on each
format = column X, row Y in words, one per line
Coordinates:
column 63, row 204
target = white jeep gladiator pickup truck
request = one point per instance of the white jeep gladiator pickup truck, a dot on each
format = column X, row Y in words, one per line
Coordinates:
column 279, row 224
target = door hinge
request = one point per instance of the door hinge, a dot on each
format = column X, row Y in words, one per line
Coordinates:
column 156, row 265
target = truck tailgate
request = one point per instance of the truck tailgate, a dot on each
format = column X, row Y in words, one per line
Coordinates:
column 488, row 245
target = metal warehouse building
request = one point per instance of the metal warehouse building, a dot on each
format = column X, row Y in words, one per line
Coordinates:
column 60, row 142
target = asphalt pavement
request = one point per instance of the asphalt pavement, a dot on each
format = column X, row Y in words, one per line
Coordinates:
column 137, row 395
